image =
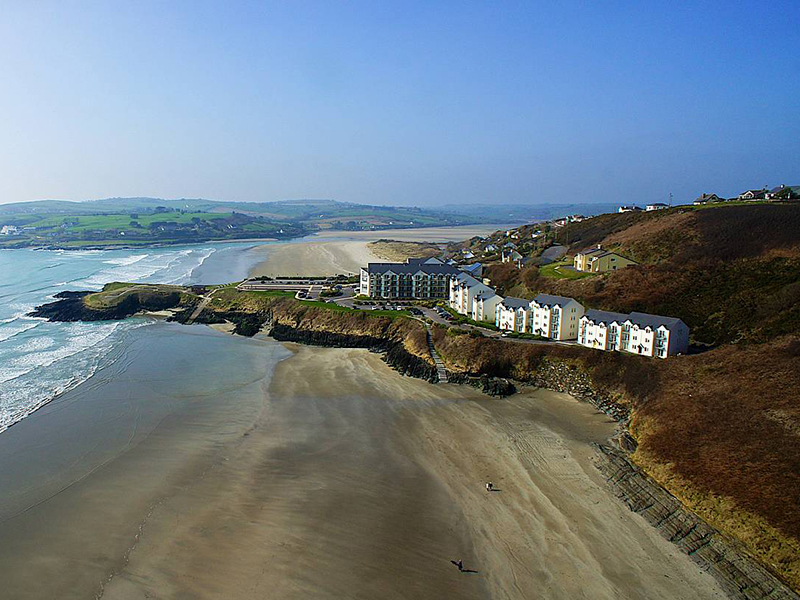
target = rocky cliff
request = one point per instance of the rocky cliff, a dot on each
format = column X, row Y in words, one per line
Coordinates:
column 741, row 577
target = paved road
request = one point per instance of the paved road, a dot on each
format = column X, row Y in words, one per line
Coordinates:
column 348, row 300
column 552, row 254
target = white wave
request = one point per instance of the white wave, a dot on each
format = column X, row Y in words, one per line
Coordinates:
column 186, row 275
column 126, row 260
column 6, row 333
column 82, row 336
column 139, row 270
column 30, row 391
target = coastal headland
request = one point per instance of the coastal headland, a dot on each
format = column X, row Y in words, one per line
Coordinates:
column 611, row 383
column 706, row 445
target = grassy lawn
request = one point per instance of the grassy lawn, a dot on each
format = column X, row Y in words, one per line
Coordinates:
column 555, row 271
column 273, row 293
column 458, row 318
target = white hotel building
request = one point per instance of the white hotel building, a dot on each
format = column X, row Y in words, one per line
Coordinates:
column 637, row 333
column 513, row 314
column 463, row 291
column 484, row 306
column 555, row 317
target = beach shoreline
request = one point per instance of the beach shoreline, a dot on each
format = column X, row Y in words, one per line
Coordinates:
column 345, row 252
column 338, row 478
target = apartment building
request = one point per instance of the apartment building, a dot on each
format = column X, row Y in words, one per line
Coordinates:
column 555, row 317
column 414, row 279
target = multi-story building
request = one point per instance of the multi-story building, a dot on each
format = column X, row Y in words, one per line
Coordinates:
column 463, row 290
column 484, row 306
column 599, row 329
column 638, row 333
column 598, row 260
column 555, row 317
column 513, row 314
column 416, row 278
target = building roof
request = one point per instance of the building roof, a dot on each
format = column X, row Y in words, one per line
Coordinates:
column 423, row 261
column 467, row 279
column 603, row 316
column 471, row 268
column 486, row 295
column 610, row 253
column 411, row 268
column 705, row 197
column 657, row 204
column 548, row 300
column 512, row 302
column 591, row 251
column 653, row 321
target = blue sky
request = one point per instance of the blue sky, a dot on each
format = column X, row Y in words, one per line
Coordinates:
column 399, row 103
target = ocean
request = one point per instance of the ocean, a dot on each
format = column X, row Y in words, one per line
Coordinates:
column 39, row 360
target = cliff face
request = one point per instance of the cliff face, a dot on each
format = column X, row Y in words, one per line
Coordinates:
column 70, row 306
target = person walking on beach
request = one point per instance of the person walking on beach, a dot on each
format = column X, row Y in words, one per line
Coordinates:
column 489, row 486
column 459, row 563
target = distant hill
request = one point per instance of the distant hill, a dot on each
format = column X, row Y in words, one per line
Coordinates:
column 142, row 221
column 509, row 213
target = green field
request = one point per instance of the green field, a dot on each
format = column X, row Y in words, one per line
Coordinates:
column 555, row 270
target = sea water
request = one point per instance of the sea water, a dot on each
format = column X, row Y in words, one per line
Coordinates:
column 38, row 359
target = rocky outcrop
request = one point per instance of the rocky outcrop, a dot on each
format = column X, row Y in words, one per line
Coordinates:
column 395, row 355
column 493, row 386
column 561, row 376
column 69, row 306
column 741, row 577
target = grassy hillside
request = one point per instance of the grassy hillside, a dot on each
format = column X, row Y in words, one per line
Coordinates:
column 732, row 273
column 136, row 221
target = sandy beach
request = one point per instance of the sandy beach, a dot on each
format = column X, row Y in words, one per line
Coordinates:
column 331, row 476
column 326, row 255
column 312, row 258
column 358, row 483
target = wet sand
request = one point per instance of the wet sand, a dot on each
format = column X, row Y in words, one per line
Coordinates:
column 331, row 477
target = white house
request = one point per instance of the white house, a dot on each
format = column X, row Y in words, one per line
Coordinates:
column 484, row 306
column 653, row 335
column 463, row 289
column 555, row 317
column 9, row 230
column 509, row 255
column 600, row 329
column 638, row 333
column 655, row 206
column 490, row 248
column 513, row 314
column 632, row 208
